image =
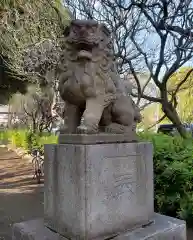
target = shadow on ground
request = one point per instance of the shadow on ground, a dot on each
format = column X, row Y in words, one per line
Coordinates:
column 21, row 198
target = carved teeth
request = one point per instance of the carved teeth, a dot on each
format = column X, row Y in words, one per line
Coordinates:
column 85, row 54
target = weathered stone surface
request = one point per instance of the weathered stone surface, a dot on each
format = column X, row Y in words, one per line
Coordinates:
column 96, row 138
column 95, row 97
column 34, row 230
column 162, row 228
column 98, row 190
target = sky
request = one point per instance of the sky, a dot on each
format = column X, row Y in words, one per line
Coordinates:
column 153, row 40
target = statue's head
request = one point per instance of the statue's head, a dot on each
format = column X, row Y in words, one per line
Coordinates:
column 86, row 35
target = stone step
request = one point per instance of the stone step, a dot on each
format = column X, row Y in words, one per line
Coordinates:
column 161, row 228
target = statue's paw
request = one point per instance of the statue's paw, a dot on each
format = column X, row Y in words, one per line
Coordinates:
column 63, row 130
column 114, row 128
column 108, row 130
column 83, row 129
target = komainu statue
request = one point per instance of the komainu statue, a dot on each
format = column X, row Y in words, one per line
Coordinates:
column 95, row 97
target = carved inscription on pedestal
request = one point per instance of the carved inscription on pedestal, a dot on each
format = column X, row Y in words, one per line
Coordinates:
column 141, row 174
column 121, row 180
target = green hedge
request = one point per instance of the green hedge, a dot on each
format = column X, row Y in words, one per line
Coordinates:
column 173, row 175
column 26, row 139
column 173, row 168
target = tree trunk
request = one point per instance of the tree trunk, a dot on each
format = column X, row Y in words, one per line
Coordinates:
column 34, row 128
column 172, row 115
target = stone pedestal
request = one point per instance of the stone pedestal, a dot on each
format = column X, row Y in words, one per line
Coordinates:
column 97, row 190
column 99, row 187
column 161, row 228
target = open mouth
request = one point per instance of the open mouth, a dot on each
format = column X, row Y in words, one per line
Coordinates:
column 84, row 51
column 84, row 47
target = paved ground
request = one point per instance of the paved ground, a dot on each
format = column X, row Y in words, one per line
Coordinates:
column 20, row 197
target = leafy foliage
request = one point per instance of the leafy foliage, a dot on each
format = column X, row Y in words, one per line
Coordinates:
column 26, row 139
column 34, row 109
column 181, row 82
column 24, row 23
column 10, row 82
column 173, row 175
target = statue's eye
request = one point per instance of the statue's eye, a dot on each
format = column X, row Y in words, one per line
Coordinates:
column 74, row 31
column 92, row 30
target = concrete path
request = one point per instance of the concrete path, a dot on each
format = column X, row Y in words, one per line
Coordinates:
column 20, row 197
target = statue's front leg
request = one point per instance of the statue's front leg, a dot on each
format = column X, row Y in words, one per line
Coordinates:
column 122, row 118
column 71, row 119
column 91, row 116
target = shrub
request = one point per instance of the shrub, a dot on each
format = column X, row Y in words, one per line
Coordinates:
column 26, row 139
column 4, row 136
column 173, row 175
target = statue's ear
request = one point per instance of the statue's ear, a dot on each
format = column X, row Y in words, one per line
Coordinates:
column 66, row 31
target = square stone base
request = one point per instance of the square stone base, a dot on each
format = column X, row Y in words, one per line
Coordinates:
column 162, row 228
column 97, row 190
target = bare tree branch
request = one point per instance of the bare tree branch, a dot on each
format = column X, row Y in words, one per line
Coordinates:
column 159, row 121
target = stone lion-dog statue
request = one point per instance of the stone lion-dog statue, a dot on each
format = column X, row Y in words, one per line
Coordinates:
column 95, row 98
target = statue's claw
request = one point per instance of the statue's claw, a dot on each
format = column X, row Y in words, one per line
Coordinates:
column 83, row 129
